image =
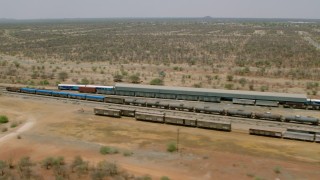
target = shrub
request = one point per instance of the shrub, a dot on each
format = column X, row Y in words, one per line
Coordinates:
column 164, row 178
column 63, row 76
column 117, row 78
column 108, row 150
column 228, row 86
column 277, row 170
column 135, row 78
column 229, row 78
column 264, row 88
column 127, row 153
column 197, row 85
column 14, row 124
column 171, row 147
column 4, row 129
column 156, row 81
column 3, row 119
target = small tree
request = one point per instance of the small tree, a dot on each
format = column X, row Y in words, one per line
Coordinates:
column 135, row 78
column 63, row 76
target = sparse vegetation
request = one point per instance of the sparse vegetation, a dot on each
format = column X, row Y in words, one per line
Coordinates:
column 3, row 119
column 108, row 150
column 171, row 147
column 156, row 81
column 25, row 168
column 63, row 76
column 127, row 153
column 277, row 169
column 164, row 178
column 252, row 50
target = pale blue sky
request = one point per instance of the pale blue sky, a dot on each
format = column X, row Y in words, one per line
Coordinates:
column 42, row 9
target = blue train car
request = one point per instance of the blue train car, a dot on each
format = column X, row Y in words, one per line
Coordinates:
column 103, row 89
column 60, row 94
column 95, row 98
column 77, row 96
column 28, row 90
column 72, row 87
column 44, row 92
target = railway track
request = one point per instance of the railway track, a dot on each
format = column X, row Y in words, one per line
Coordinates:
column 221, row 118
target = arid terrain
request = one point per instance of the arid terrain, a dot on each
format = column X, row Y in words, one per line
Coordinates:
column 61, row 128
column 271, row 55
column 266, row 55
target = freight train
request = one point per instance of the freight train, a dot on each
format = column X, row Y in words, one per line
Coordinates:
column 159, row 117
column 294, row 134
column 173, row 105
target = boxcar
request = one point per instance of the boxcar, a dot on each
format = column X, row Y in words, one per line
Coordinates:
column 210, row 124
column 317, row 137
column 95, row 98
column 189, row 121
column 87, row 89
column 298, row 136
column 150, row 116
column 210, row 99
column 175, row 105
column 44, row 92
column 13, row 89
column 129, row 112
column 243, row 101
column 152, row 103
column 60, row 94
column 77, row 96
column 140, row 102
column 116, row 100
column 129, row 101
column 107, row 112
column 267, row 103
column 28, row 90
column 164, row 104
column 297, row 105
column 105, row 89
column 263, row 131
column 72, row 87
column 178, row 120
column 166, row 96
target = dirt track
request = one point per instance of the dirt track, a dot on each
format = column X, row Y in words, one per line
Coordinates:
column 58, row 128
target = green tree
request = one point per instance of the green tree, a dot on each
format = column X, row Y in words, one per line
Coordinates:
column 63, row 76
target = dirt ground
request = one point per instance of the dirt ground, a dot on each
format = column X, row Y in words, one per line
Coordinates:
column 59, row 128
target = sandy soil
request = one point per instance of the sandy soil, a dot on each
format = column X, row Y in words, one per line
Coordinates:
column 58, row 128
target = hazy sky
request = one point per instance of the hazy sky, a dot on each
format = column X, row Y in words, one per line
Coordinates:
column 42, row 9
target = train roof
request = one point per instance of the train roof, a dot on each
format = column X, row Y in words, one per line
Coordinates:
column 271, row 96
column 78, row 85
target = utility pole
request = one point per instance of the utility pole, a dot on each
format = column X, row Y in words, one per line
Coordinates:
column 178, row 134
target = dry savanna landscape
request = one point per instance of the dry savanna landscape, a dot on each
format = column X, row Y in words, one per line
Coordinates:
column 63, row 139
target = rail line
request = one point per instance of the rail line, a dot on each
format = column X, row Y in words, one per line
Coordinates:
column 221, row 118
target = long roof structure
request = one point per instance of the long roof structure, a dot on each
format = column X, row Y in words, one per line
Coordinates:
column 271, row 96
